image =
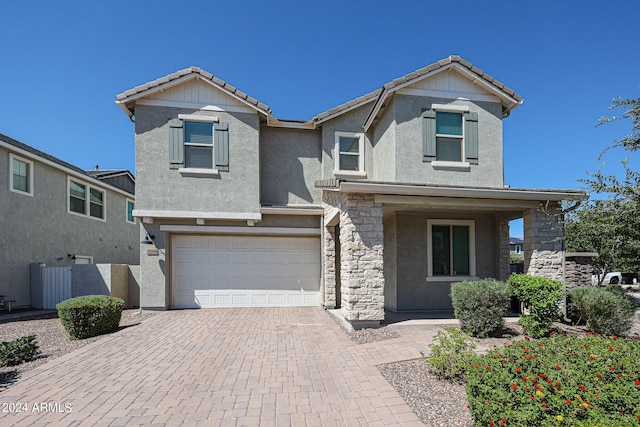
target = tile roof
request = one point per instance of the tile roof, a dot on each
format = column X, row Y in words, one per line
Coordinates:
column 125, row 96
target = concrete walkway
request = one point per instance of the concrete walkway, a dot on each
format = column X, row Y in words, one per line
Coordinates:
column 221, row 367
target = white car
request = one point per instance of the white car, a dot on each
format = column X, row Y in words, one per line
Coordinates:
column 618, row 278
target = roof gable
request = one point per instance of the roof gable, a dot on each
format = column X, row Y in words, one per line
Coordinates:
column 435, row 76
column 192, row 87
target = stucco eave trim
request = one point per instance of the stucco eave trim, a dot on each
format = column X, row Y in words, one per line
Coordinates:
column 476, row 193
column 240, row 216
column 284, row 210
column 212, row 229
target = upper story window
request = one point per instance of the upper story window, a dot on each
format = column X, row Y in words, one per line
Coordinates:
column 85, row 200
column 452, row 247
column 450, row 136
column 349, row 154
column 20, row 175
column 130, row 207
column 198, row 144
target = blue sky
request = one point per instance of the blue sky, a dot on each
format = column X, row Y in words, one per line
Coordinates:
column 62, row 63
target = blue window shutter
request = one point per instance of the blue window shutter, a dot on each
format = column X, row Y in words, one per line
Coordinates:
column 428, row 136
column 471, row 137
column 176, row 144
column 221, row 146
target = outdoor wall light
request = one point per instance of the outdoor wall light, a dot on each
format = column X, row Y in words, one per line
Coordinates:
column 71, row 256
column 148, row 239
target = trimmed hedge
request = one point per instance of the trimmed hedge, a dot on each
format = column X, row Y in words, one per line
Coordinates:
column 541, row 296
column 18, row 351
column 91, row 315
column 481, row 305
column 608, row 311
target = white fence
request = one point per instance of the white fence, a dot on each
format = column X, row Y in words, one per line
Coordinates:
column 56, row 286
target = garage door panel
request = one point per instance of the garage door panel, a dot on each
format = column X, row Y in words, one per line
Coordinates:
column 229, row 271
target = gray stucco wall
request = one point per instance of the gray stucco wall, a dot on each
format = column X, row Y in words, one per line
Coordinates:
column 39, row 230
column 390, row 263
column 384, row 145
column 290, row 163
column 409, row 165
column 160, row 188
column 348, row 122
column 413, row 291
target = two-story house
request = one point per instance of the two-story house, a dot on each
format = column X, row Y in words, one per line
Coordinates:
column 56, row 214
column 379, row 203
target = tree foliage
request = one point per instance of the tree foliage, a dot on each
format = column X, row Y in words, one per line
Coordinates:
column 611, row 225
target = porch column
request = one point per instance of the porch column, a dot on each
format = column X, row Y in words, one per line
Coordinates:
column 543, row 242
column 504, row 250
column 329, row 266
column 361, row 270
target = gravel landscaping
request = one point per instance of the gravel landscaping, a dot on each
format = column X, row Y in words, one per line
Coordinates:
column 53, row 340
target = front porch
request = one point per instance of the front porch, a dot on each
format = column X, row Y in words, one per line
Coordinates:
column 394, row 253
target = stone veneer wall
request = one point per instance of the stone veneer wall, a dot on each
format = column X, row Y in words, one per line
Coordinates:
column 329, row 267
column 504, row 250
column 578, row 269
column 361, row 255
column 543, row 245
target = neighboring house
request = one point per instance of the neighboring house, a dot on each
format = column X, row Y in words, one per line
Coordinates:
column 56, row 214
column 516, row 245
column 379, row 203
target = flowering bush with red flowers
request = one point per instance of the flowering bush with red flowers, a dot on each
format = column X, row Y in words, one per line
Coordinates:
column 560, row 380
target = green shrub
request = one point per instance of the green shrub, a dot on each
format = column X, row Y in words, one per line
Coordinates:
column 560, row 380
column 541, row 297
column 608, row 311
column 15, row 352
column 481, row 305
column 91, row 315
column 451, row 351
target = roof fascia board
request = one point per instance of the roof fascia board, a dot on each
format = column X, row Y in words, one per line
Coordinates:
column 276, row 123
column 477, row 193
column 197, row 106
column 475, row 79
column 65, row 169
column 346, row 110
column 193, row 75
column 387, row 199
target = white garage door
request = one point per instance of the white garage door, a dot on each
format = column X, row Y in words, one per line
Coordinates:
column 245, row 271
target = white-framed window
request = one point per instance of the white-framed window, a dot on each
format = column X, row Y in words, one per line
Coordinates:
column 349, row 154
column 451, row 248
column 449, row 136
column 20, row 175
column 130, row 207
column 518, row 249
column 198, row 145
column 86, row 200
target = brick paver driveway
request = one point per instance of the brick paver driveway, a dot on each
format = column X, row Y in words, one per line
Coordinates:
column 220, row 367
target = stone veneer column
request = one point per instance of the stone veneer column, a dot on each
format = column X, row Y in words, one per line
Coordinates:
column 543, row 242
column 329, row 267
column 579, row 269
column 504, row 250
column 361, row 253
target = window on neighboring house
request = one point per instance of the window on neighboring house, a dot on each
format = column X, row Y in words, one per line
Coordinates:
column 85, row 199
column 198, row 144
column 349, row 154
column 450, row 136
column 130, row 207
column 518, row 249
column 452, row 248
column 20, row 175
